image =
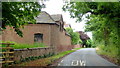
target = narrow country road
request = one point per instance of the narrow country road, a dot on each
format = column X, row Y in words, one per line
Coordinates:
column 84, row 57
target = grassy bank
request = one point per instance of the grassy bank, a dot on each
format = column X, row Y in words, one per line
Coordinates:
column 109, row 52
column 22, row 46
column 47, row 61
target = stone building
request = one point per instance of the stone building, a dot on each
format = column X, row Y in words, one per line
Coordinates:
column 48, row 30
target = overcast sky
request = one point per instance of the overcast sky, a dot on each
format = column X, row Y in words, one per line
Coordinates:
column 55, row 7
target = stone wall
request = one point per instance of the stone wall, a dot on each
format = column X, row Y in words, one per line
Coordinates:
column 25, row 53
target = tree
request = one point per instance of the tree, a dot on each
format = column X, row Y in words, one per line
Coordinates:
column 103, row 21
column 17, row 14
column 89, row 43
column 74, row 36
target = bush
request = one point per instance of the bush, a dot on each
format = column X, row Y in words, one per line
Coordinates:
column 89, row 43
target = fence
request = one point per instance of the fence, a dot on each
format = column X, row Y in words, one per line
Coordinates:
column 6, row 53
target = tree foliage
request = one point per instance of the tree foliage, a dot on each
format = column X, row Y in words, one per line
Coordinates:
column 74, row 36
column 89, row 43
column 103, row 21
column 17, row 14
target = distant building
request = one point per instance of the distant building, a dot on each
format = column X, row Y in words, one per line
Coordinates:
column 84, row 37
column 67, row 25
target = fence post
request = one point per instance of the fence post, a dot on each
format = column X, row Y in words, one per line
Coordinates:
column 6, row 57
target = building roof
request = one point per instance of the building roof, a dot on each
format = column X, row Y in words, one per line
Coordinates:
column 83, row 36
column 44, row 17
column 57, row 17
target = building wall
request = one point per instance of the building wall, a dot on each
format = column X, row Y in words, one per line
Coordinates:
column 77, row 46
column 28, row 34
column 61, row 41
column 55, row 35
column 65, row 41
column 0, row 37
column 52, row 36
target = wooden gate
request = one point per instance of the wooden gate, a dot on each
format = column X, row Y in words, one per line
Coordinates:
column 6, row 53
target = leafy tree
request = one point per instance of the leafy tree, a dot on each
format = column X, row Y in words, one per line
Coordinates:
column 80, row 41
column 69, row 30
column 74, row 36
column 89, row 43
column 17, row 14
column 103, row 21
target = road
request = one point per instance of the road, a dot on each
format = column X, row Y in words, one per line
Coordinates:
column 84, row 57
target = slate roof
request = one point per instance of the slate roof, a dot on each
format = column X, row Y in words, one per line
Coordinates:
column 44, row 17
column 57, row 17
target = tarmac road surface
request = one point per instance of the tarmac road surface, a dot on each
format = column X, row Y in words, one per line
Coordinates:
column 84, row 57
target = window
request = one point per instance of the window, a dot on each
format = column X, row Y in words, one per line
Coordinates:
column 38, row 37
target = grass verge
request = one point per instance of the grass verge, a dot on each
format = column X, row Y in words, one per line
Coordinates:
column 47, row 61
column 110, row 56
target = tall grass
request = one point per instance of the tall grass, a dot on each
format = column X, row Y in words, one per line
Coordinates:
column 110, row 50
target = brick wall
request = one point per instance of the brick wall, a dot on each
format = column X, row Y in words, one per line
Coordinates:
column 77, row 46
column 28, row 34
column 52, row 36
column 0, row 37
column 61, row 41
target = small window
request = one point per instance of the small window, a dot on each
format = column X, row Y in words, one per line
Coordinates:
column 38, row 37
